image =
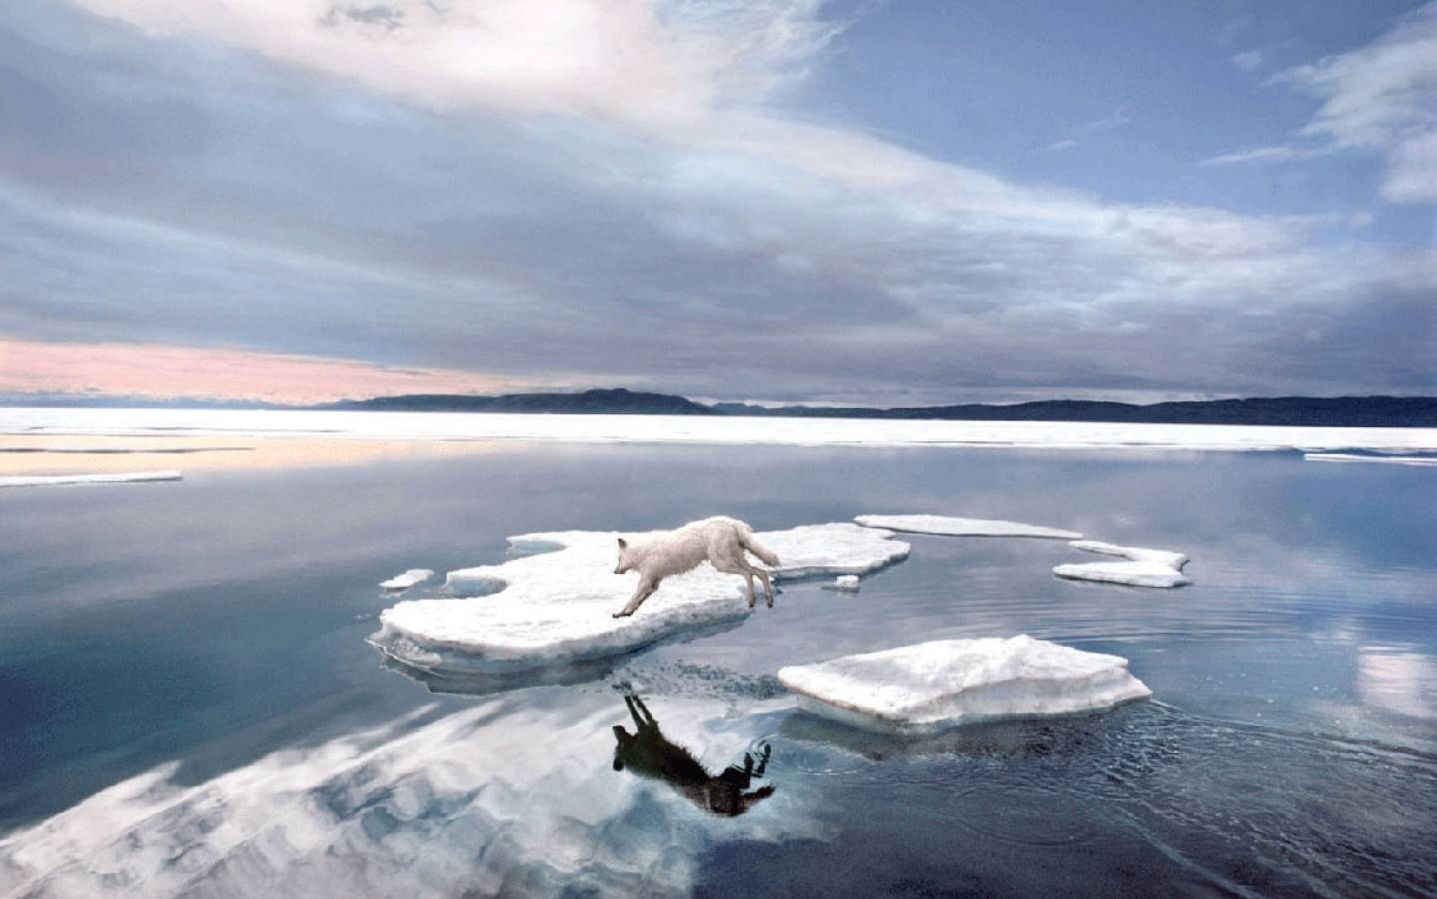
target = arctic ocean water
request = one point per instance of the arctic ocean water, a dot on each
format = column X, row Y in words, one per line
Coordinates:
column 190, row 704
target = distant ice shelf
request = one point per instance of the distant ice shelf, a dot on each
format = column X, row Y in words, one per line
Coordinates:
column 1141, row 567
column 554, row 608
column 928, row 687
column 66, row 480
column 950, row 526
column 411, row 578
column 715, row 429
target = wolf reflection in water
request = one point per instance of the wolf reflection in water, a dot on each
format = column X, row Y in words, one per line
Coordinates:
column 648, row 753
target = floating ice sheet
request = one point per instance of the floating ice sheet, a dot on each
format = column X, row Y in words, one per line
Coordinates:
column 65, row 480
column 411, row 578
column 1141, row 567
column 949, row 526
column 928, row 687
column 848, row 583
column 555, row 608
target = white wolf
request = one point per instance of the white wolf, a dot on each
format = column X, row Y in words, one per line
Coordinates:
column 719, row 540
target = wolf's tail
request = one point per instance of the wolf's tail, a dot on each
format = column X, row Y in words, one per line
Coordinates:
column 758, row 549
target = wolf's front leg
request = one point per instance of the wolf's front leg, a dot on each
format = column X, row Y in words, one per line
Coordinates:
column 645, row 590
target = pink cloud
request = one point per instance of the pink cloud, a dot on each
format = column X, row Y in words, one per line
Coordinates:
column 160, row 370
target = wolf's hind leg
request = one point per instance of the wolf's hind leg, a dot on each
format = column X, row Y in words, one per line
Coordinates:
column 767, row 587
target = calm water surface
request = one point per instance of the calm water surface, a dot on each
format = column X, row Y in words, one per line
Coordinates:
column 189, row 704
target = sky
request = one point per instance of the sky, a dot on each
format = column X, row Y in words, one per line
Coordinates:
column 887, row 203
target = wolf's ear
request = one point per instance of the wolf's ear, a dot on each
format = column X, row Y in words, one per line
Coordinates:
column 623, row 544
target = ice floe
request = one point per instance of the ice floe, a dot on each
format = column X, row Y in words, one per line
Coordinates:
column 65, row 480
column 848, row 583
column 950, row 526
column 1355, row 457
column 411, row 578
column 554, row 608
column 1141, row 567
column 928, row 687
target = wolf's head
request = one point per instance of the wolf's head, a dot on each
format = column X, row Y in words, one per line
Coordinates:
column 626, row 557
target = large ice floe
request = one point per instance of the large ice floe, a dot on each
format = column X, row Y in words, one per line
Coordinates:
column 929, row 687
column 950, row 526
column 66, row 480
column 554, row 608
column 1140, row 567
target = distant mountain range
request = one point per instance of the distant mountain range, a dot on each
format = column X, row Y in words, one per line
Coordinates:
column 1351, row 411
column 589, row 402
column 1346, row 411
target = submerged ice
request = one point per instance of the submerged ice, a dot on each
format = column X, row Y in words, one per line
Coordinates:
column 950, row 526
column 1141, row 567
column 928, row 687
column 554, row 608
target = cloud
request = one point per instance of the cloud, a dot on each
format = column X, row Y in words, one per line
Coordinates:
column 1248, row 60
column 193, row 197
column 1116, row 119
column 1412, row 170
column 424, row 804
column 159, row 370
column 1280, row 153
column 635, row 61
column 1399, row 681
column 1376, row 98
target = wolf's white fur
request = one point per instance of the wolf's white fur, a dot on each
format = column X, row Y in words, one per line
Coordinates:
column 719, row 540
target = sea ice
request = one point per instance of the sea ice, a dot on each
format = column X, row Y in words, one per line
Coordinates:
column 1142, row 568
column 928, row 687
column 411, row 578
column 845, row 582
column 715, row 429
column 949, row 526
column 555, row 608
column 57, row 480
column 1356, row 457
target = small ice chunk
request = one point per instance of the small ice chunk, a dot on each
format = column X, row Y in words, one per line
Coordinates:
column 921, row 689
column 59, row 480
column 845, row 582
column 1142, row 568
column 411, row 578
column 555, row 608
column 949, row 526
